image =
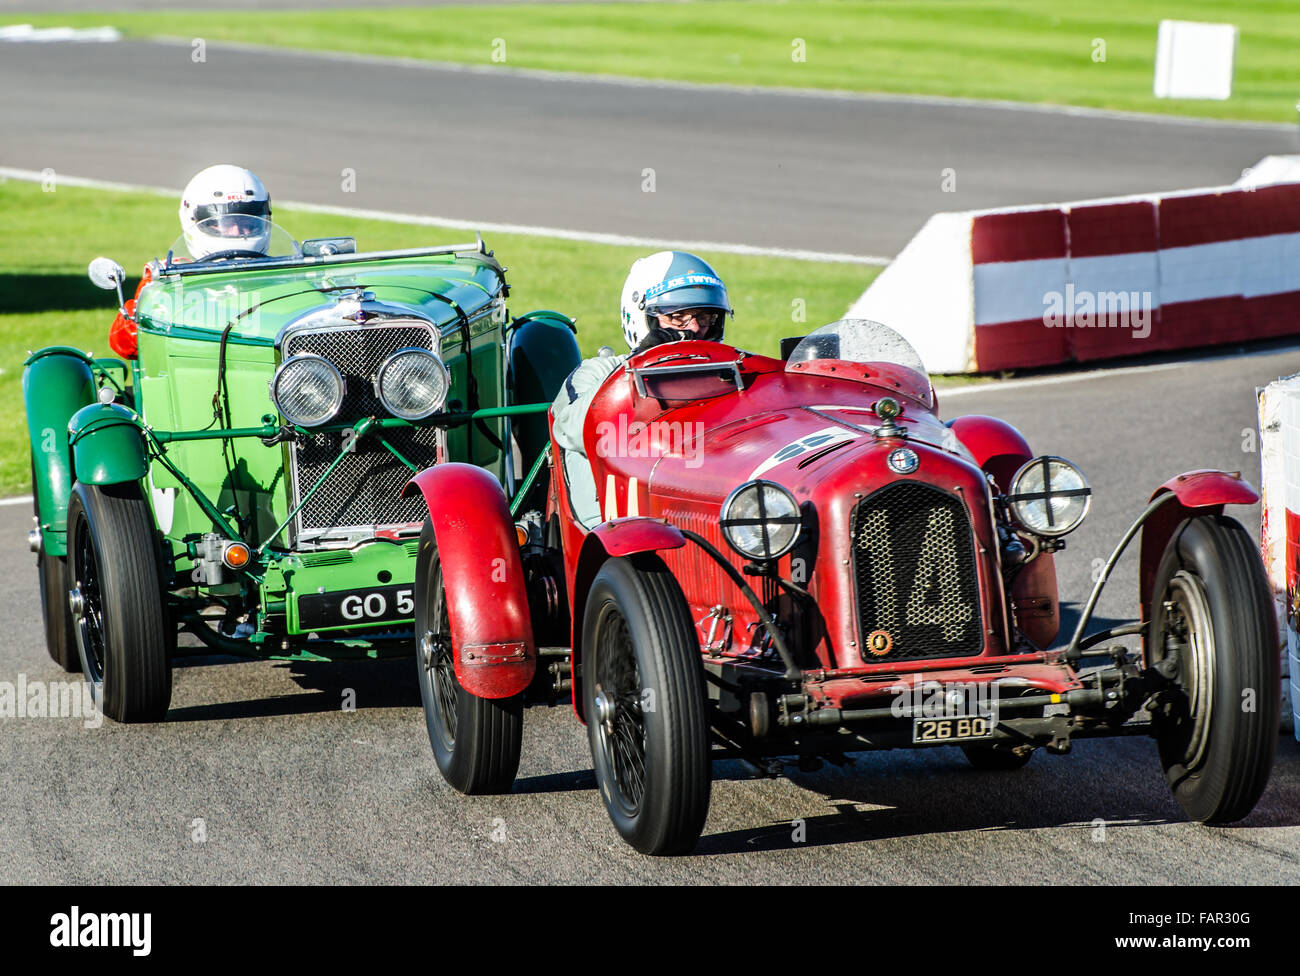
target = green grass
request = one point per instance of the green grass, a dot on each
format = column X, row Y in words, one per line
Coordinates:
column 1024, row 50
column 45, row 298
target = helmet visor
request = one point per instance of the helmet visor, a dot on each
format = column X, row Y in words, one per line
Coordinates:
column 232, row 226
column 248, row 208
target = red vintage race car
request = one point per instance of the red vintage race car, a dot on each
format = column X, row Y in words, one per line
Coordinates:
column 796, row 558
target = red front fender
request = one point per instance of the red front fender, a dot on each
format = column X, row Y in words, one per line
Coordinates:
column 628, row 536
column 487, row 602
column 1202, row 492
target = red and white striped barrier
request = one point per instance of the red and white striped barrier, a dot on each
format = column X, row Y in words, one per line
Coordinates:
column 1279, row 533
column 1033, row 286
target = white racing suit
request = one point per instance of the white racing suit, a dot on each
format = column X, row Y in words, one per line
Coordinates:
column 570, row 413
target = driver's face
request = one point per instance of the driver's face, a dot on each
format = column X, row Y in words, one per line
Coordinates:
column 233, row 226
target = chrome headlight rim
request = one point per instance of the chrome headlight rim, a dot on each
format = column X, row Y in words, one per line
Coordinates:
column 1017, row 499
column 412, row 415
column 337, row 400
column 727, row 520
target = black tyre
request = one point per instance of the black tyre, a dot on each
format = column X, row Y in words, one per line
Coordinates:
column 643, row 692
column 120, row 615
column 476, row 741
column 1214, row 634
column 60, row 637
column 996, row 758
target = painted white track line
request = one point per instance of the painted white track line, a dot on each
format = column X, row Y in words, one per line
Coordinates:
column 20, row 500
column 841, row 94
column 27, row 34
column 452, row 223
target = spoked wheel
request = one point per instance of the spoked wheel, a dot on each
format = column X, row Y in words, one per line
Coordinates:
column 620, row 716
column 120, row 618
column 1213, row 635
column 60, row 637
column 997, row 758
column 643, row 692
column 476, row 741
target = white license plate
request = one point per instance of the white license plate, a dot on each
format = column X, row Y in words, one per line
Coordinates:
column 964, row 729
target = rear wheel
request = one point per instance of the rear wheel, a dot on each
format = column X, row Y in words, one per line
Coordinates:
column 120, row 616
column 476, row 741
column 60, row 637
column 1213, row 635
column 643, row 692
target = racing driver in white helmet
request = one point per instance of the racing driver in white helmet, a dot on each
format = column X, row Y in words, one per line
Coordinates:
column 223, row 209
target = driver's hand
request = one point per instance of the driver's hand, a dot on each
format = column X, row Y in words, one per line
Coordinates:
column 658, row 336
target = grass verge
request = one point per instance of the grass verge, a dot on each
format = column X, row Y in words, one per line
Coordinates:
column 1100, row 54
column 45, row 298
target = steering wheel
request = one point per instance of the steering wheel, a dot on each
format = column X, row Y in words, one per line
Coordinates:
column 233, row 253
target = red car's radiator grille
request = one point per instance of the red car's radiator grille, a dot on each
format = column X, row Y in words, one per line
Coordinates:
column 364, row 489
column 914, row 564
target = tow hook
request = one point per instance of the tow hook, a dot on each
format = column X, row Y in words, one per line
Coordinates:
column 1059, row 746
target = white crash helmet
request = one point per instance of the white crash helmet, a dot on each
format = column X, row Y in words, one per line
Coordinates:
column 665, row 282
column 225, row 208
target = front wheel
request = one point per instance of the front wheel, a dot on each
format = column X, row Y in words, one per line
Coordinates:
column 643, row 692
column 476, row 741
column 117, row 602
column 1213, row 635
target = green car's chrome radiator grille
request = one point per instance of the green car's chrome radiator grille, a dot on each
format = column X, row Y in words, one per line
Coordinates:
column 364, row 490
column 914, row 565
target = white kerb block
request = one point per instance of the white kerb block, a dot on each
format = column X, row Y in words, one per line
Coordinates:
column 1195, row 60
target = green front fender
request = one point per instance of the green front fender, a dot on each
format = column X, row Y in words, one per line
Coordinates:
column 57, row 382
column 107, row 446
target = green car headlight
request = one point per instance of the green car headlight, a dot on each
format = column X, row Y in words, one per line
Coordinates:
column 412, row 384
column 761, row 520
column 307, row 390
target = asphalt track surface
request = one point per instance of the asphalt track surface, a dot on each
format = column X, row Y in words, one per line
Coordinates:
column 820, row 172
column 291, row 788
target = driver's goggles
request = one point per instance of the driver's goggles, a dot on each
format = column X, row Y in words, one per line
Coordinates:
column 706, row 317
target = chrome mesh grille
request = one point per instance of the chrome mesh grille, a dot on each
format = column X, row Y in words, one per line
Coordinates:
column 914, row 566
column 363, row 490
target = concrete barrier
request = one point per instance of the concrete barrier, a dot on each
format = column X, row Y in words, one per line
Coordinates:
column 982, row 291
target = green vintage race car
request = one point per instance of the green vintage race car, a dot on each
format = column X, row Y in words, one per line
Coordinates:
column 238, row 472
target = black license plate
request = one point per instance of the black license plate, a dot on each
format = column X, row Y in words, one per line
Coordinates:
column 357, row 608
column 962, row 729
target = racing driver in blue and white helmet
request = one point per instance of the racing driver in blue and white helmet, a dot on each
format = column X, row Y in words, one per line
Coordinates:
column 667, row 297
